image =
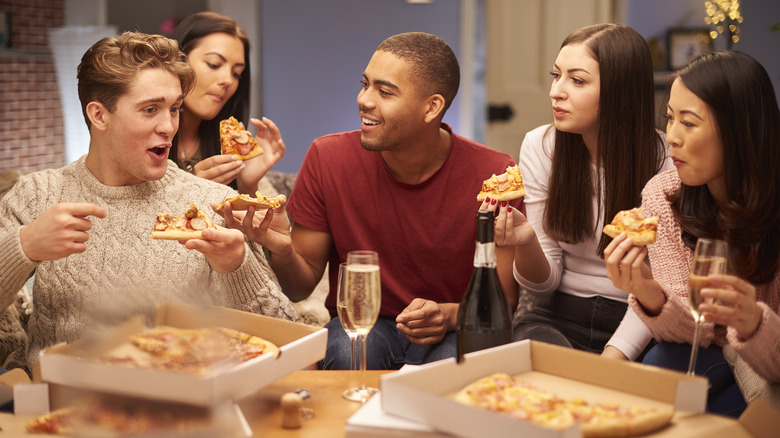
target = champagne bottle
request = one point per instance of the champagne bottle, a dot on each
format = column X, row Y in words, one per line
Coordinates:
column 484, row 320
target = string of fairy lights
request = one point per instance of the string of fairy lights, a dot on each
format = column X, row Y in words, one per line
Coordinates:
column 724, row 15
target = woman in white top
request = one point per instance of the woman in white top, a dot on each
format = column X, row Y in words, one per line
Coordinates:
column 591, row 163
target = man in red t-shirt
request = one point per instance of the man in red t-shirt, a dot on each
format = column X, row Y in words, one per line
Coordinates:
column 405, row 186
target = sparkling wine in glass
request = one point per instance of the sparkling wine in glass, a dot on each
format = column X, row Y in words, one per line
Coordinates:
column 363, row 299
column 709, row 258
column 346, row 323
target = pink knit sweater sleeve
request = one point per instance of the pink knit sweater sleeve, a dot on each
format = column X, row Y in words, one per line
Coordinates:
column 670, row 262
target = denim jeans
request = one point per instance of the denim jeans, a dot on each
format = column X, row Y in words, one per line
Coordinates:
column 724, row 396
column 570, row 321
column 387, row 348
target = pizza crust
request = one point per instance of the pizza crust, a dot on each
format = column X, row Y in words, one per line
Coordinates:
column 242, row 202
column 176, row 235
column 506, row 196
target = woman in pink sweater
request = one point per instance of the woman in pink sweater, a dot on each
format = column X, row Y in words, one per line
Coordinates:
column 724, row 132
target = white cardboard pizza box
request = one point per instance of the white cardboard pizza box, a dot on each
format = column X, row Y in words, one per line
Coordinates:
column 425, row 394
column 300, row 346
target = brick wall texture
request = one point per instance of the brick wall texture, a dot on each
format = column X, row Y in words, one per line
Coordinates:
column 32, row 133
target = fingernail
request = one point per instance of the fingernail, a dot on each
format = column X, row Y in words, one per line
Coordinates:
column 494, row 201
column 487, row 199
column 503, row 204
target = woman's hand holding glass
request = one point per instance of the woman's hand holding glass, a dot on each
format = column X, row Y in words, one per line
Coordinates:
column 731, row 301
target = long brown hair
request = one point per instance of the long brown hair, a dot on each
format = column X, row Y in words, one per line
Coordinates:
column 739, row 93
column 629, row 150
column 188, row 33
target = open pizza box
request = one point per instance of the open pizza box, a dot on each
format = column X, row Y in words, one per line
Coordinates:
column 759, row 420
column 75, row 365
column 426, row 394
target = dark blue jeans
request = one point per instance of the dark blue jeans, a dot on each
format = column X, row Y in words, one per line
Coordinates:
column 724, row 396
column 387, row 348
column 575, row 322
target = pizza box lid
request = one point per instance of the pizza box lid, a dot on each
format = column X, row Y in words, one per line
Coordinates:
column 74, row 364
column 425, row 393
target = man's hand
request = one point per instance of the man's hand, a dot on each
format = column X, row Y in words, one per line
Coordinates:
column 425, row 322
column 270, row 229
column 224, row 249
column 59, row 232
column 219, row 168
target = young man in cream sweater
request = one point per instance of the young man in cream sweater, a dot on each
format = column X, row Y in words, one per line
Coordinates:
column 83, row 229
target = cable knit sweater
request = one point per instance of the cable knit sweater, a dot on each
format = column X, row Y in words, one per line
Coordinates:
column 123, row 271
column 671, row 262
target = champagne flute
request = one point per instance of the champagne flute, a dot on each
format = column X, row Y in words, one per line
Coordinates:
column 346, row 323
column 709, row 258
column 363, row 299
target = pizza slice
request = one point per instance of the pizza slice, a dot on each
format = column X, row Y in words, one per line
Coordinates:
column 243, row 202
column 190, row 225
column 504, row 187
column 235, row 139
column 640, row 229
column 62, row 421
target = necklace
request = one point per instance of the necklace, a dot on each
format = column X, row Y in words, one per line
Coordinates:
column 183, row 150
column 186, row 158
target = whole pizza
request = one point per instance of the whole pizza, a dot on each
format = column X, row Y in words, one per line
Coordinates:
column 192, row 351
column 503, row 393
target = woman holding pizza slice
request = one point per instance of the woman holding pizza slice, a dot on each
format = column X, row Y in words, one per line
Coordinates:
column 722, row 109
column 218, row 50
column 579, row 172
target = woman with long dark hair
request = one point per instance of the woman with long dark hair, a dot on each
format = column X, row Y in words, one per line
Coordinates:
column 724, row 132
column 589, row 164
column 218, row 50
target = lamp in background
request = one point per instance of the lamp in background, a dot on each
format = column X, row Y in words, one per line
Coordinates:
column 724, row 15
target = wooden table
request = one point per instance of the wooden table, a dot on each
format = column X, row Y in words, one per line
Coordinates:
column 263, row 411
column 331, row 410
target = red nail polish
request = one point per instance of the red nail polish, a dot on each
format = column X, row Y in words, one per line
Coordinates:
column 503, row 204
column 494, row 201
column 487, row 199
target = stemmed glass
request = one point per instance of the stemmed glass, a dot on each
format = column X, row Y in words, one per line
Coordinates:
column 709, row 258
column 362, row 298
column 346, row 323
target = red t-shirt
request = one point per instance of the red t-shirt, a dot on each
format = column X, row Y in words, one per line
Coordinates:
column 424, row 233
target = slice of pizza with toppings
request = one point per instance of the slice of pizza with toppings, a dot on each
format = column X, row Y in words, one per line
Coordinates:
column 190, row 225
column 242, row 202
column 504, row 187
column 236, row 140
column 640, row 229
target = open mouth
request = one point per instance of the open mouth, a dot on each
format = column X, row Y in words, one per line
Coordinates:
column 368, row 122
column 159, row 151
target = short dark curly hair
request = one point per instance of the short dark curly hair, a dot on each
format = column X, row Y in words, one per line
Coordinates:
column 435, row 67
